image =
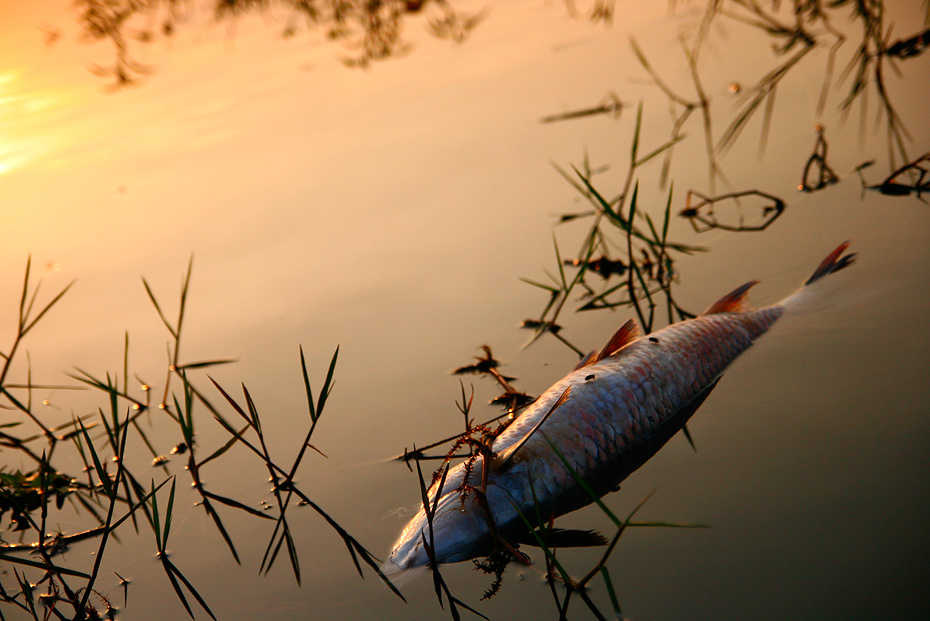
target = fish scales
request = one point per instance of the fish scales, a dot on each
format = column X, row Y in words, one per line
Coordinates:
column 606, row 419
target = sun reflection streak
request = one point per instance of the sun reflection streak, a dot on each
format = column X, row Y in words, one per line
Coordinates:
column 22, row 115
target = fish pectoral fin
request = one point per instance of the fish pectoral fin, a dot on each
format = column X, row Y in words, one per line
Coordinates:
column 566, row 538
column 733, row 302
column 684, row 430
column 685, row 412
column 502, row 459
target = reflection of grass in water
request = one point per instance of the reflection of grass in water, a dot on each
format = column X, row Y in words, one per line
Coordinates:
column 371, row 31
column 795, row 30
column 918, row 171
column 635, row 261
column 112, row 498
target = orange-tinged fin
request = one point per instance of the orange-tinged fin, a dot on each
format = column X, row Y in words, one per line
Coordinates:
column 501, row 459
column 733, row 302
column 627, row 333
column 589, row 359
column 834, row 262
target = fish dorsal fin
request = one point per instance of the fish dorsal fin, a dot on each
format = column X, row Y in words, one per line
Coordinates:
column 589, row 359
column 627, row 333
column 501, row 459
column 733, row 302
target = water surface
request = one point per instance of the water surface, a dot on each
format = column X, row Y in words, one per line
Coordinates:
column 391, row 212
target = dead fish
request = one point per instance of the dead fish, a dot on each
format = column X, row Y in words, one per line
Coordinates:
column 606, row 418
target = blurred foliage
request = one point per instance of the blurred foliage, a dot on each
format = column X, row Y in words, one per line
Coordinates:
column 371, row 30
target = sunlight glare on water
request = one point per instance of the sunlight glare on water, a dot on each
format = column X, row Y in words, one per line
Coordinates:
column 391, row 212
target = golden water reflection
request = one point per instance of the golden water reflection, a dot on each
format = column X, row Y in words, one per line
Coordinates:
column 391, row 212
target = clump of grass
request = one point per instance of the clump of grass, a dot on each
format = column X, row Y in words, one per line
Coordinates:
column 284, row 488
column 171, row 570
column 795, row 30
column 630, row 253
column 111, row 498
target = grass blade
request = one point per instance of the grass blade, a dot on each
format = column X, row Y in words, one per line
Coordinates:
column 41, row 565
column 161, row 315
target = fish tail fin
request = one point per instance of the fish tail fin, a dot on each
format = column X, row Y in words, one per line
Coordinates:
column 834, row 262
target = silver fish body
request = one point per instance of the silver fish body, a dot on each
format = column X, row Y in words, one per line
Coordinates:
column 606, row 419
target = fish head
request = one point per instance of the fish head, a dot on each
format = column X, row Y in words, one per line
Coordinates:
column 457, row 531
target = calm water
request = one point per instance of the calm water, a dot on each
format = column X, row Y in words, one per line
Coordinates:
column 391, row 212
